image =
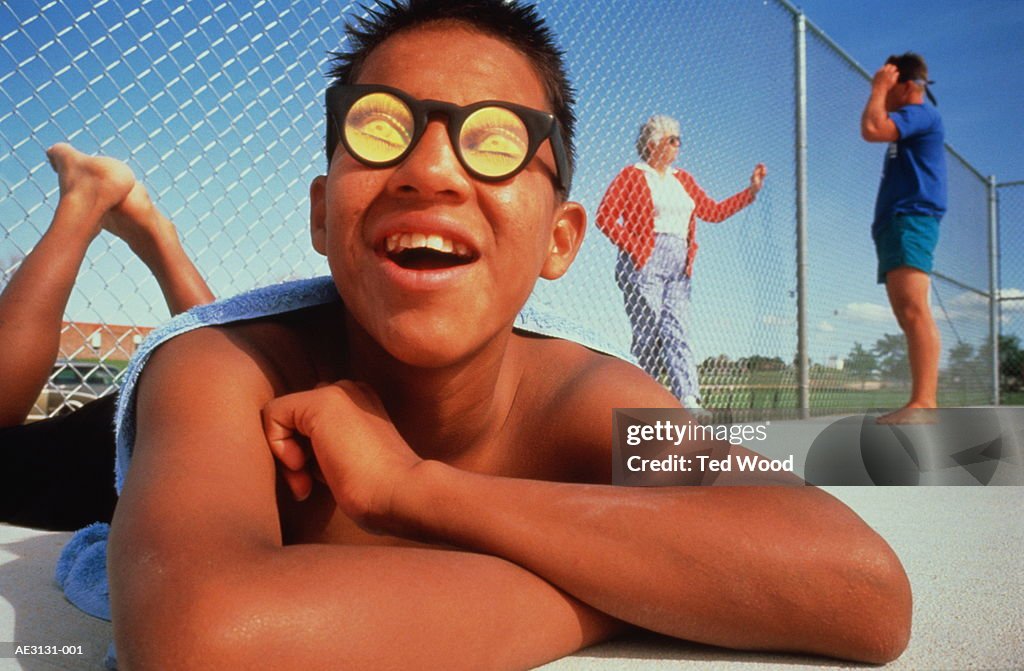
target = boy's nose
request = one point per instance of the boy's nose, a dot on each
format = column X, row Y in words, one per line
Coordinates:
column 432, row 168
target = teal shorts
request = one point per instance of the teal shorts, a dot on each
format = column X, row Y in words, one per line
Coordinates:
column 907, row 240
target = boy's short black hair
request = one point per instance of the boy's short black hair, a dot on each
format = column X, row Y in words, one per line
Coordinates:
column 516, row 23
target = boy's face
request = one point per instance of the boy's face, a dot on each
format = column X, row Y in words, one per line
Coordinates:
column 430, row 309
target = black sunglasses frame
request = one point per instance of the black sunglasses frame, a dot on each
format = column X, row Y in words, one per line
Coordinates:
column 540, row 126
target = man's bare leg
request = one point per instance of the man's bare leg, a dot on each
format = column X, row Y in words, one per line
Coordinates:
column 908, row 294
column 96, row 193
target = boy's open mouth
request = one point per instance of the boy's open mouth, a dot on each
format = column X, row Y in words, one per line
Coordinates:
column 418, row 251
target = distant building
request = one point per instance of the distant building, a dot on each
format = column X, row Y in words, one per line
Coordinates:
column 835, row 362
column 110, row 342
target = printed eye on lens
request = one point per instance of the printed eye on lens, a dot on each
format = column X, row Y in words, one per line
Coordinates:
column 494, row 141
column 378, row 127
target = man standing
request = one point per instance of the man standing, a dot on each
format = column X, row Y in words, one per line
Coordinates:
column 911, row 201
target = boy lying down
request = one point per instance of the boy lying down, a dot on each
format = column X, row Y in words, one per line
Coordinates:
column 444, row 498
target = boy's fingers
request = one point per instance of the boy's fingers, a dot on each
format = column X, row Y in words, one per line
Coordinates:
column 289, row 452
column 299, row 482
column 281, row 427
column 281, row 418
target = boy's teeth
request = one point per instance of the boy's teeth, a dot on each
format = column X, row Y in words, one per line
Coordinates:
column 403, row 241
column 435, row 242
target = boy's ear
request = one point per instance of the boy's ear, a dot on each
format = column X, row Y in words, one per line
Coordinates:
column 566, row 238
column 317, row 213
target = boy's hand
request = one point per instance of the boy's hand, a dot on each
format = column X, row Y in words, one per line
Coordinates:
column 354, row 445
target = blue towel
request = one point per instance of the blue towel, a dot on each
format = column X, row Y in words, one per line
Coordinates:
column 81, row 569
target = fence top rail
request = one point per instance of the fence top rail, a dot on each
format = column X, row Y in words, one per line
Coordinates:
column 966, row 163
column 824, row 37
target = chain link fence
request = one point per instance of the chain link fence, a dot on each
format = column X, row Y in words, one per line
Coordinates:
column 217, row 108
column 1011, row 303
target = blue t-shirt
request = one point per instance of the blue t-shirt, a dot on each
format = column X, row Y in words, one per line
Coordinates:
column 914, row 172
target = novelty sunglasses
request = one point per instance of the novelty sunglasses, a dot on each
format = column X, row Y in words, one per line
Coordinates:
column 493, row 140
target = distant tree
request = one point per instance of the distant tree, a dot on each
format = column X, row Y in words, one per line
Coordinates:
column 760, row 362
column 963, row 363
column 716, row 364
column 1011, row 362
column 861, row 363
column 891, row 352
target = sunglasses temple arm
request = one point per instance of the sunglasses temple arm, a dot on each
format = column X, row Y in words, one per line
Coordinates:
column 561, row 160
column 332, row 137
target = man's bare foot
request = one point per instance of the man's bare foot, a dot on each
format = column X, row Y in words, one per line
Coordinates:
column 911, row 413
column 95, row 183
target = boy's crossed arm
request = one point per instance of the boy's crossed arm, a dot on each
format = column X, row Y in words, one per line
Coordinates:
column 200, row 576
column 777, row 568
column 744, row 567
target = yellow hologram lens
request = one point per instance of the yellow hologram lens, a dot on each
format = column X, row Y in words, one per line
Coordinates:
column 378, row 127
column 494, row 141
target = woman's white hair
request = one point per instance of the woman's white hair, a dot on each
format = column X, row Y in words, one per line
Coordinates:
column 655, row 128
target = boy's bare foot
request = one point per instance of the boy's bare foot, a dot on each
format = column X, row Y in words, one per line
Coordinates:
column 108, row 188
column 95, row 183
column 911, row 413
column 137, row 221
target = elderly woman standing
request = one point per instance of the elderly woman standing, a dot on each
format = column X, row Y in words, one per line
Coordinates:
column 650, row 212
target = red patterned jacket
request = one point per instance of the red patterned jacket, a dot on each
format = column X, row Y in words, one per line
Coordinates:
column 628, row 197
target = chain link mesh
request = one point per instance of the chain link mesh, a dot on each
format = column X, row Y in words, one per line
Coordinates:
column 1011, row 281
column 217, row 108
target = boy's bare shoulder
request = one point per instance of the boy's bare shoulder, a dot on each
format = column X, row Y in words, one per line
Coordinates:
column 574, row 392
column 574, row 374
column 288, row 350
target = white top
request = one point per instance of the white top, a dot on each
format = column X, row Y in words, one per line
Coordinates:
column 673, row 207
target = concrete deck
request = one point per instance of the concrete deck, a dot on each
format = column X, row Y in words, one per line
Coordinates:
column 961, row 545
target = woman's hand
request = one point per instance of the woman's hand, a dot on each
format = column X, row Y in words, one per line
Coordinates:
column 757, row 179
column 342, row 435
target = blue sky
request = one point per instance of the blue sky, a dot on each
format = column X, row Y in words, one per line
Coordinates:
column 216, row 106
column 725, row 70
column 975, row 53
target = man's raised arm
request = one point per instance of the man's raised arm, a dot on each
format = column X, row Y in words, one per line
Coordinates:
column 875, row 124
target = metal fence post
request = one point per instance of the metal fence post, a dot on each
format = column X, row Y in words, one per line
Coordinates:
column 994, row 291
column 803, row 376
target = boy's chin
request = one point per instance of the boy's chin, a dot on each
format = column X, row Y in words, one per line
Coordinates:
column 427, row 347
column 422, row 350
